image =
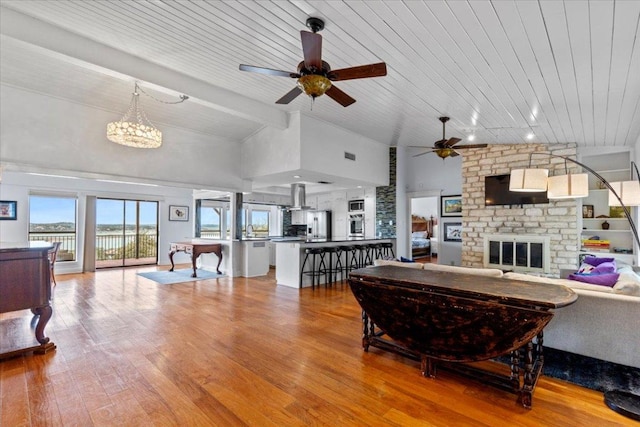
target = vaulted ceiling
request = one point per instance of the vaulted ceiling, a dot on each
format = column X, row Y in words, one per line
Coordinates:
column 564, row 71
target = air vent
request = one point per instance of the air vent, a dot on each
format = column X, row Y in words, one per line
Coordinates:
column 349, row 156
column 324, row 182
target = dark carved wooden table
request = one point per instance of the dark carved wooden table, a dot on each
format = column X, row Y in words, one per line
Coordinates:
column 442, row 317
column 195, row 248
column 25, row 284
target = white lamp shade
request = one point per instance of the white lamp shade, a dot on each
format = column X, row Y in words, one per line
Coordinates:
column 570, row 186
column 629, row 192
column 528, row 180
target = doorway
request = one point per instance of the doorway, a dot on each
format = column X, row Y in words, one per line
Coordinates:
column 126, row 232
column 424, row 228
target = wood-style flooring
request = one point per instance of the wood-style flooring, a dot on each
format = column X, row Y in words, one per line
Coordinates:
column 227, row 352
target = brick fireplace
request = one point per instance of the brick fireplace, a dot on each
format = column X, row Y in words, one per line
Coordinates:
column 556, row 220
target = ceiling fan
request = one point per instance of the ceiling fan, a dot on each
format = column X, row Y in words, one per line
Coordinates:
column 445, row 147
column 315, row 75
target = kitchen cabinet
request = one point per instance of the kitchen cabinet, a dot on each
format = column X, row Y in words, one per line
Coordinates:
column 324, row 202
column 355, row 193
column 615, row 236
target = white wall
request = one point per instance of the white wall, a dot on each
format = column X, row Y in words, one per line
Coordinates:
column 323, row 146
column 272, row 150
column 17, row 186
column 425, row 207
column 50, row 134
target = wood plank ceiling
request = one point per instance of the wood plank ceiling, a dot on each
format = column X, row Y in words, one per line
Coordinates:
column 565, row 71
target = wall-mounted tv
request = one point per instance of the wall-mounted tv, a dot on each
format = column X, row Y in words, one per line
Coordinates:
column 496, row 193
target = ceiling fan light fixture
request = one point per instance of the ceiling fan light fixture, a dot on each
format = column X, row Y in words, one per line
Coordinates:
column 443, row 153
column 314, row 85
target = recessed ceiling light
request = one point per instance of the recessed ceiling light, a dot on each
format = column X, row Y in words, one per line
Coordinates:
column 296, row 176
column 530, row 136
column 359, row 186
column 471, row 137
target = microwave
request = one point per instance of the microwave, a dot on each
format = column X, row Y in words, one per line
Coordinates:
column 356, row 205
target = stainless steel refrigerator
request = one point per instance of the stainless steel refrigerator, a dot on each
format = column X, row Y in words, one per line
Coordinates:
column 318, row 224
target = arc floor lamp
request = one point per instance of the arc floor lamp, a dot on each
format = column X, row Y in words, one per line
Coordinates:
column 623, row 194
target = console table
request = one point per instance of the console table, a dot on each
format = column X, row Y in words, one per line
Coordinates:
column 195, row 248
column 443, row 317
column 25, row 284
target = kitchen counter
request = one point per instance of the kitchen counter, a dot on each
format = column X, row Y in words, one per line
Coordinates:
column 290, row 255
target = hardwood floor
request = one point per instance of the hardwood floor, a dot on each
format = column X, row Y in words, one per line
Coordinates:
column 131, row 352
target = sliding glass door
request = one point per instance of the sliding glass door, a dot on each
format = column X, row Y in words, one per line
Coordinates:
column 126, row 232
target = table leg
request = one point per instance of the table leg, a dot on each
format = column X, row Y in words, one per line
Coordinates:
column 526, row 395
column 45, row 314
column 219, row 254
column 194, row 257
column 171, row 259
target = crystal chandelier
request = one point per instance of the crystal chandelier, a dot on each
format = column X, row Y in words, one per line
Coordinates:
column 139, row 133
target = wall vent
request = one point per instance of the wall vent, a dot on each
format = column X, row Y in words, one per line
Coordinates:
column 349, row 156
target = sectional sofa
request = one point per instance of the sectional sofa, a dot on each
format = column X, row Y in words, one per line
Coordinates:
column 604, row 323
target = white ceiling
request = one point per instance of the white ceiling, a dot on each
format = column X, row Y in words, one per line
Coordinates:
column 566, row 71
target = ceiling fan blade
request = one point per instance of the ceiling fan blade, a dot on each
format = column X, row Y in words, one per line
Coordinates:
column 268, row 71
column 452, row 141
column 339, row 96
column 423, row 153
column 359, row 72
column 290, row 96
column 312, row 49
column 454, row 153
column 471, row 146
column 439, row 144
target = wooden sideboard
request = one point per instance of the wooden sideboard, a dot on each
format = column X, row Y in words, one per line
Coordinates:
column 443, row 317
column 25, row 284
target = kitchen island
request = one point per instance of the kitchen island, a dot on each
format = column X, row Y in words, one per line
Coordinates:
column 290, row 255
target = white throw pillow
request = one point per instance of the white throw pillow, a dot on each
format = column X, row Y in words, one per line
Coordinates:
column 628, row 283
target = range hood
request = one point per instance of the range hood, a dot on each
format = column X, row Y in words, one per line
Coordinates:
column 298, row 197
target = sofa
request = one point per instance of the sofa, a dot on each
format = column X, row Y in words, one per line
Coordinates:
column 604, row 323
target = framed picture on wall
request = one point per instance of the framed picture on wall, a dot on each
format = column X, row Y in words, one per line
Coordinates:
column 8, row 210
column 587, row 211
column 451, row 206
column 453, row 232
column 178, row 213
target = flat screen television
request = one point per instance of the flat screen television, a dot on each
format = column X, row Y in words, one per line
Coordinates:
column 496, row 193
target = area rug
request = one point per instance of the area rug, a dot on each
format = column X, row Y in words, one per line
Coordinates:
column 180, row 276
column 588, row 372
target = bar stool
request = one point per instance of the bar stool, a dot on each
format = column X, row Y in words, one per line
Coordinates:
column 387, row 247
column 371, row 251
column 317, row 267
column 351, row 258
column 331, row 271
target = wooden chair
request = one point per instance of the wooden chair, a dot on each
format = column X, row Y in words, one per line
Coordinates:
column 53, row 254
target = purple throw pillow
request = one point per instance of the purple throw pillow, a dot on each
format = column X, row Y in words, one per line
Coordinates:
column 595, row 261
column 603, row 279
column 604, row 267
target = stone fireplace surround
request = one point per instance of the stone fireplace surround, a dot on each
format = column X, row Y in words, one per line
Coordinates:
column 557, row 219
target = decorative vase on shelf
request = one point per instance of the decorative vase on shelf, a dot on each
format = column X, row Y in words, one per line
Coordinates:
column 605, row 225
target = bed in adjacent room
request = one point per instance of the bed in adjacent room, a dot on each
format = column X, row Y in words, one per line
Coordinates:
column 422, row 241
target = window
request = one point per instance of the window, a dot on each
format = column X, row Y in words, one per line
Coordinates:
column 53, row 219
column 211, row 221
column 259, row 221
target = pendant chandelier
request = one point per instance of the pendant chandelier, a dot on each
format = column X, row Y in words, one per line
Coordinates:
column 135, row 129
